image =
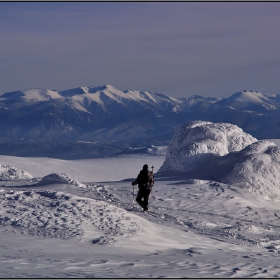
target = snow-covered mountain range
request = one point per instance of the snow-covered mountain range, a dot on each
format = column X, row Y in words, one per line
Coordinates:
column 110, row 120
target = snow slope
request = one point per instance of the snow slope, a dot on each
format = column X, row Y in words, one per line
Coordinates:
column 60, row 222
column 195, row 228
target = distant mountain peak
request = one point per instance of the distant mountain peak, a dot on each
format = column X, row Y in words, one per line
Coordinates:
column 93, row 89
column 31, row 95
column 249, row 100
column 73, row 91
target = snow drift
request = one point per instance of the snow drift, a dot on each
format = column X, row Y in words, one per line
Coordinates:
column 224, row 153
column 8, row 173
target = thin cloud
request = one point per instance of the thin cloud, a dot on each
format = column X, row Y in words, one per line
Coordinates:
column 175, row 48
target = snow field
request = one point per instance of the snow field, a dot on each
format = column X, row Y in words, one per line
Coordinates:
column 214, row 210
column 86, row 170
column 55, row 214
column 54, row 225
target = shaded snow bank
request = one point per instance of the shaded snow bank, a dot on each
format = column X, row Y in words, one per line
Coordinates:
column 12, row 173
column 224, row 153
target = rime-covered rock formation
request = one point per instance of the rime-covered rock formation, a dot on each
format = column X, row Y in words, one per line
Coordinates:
column 224, row 153
column 257, row 168
column 8, row 173
column 196, row 141
column 59, row 178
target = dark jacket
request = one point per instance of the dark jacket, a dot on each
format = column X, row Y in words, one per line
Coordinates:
column 145, row 179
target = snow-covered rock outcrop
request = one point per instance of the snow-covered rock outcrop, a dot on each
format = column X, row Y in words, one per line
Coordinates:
column 59, row 178
column 12, row 173
column 257, row 168
column 224, row 153
column 197, row 141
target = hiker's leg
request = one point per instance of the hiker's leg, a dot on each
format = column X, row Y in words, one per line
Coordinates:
column 139, row 197
column 146, row 197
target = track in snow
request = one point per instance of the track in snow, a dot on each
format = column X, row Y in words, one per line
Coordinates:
column 231, row 227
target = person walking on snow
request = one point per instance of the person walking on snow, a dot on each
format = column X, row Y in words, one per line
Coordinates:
column 145, row 181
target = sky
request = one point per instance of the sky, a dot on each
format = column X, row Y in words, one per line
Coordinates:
column 178, row 49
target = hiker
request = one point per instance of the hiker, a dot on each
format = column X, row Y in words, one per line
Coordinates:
column 145, row 181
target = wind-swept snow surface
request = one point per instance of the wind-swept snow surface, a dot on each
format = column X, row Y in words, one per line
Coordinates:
column 65, row 228
column 57, row 214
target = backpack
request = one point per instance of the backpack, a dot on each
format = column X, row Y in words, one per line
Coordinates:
column 147, row 179
column 151, row 177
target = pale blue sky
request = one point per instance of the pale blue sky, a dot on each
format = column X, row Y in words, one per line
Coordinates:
column 179, row 49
